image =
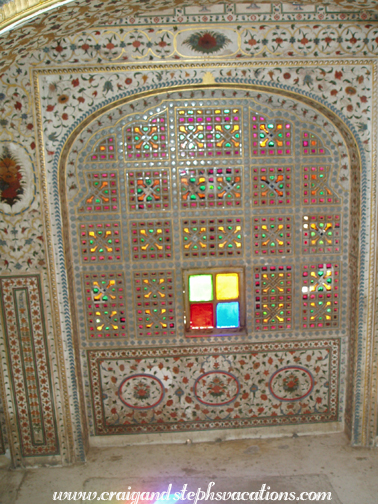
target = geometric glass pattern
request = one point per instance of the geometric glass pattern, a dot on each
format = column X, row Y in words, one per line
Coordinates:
column 315, row 186
column 214, row 301
column 105, row 150
column 208, row 132
column 210, row 187
column 151, row 240
column 217, row 237
column 102, row 193
column 273, row 298
column 105, row 305
column 320, row 294
column 271, row 186
column 272, row 138
column 100, row 242
column 148, row 190
column 155, row 304
column 321, row 234
column 147, row 140
column 312, row 145
column 272, row 235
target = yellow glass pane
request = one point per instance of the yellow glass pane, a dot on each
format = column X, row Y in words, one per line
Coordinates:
column 227, row 286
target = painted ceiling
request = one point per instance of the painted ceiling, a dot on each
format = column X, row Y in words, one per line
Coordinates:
column 17, row 43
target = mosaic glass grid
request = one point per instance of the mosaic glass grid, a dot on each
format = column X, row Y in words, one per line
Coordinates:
column 272, row 186
column 102, row 193
column 105, row 150
column 270, row 137
column 105, row 305
column 151, row 240
column 320, row 295
column 196, row 213
column 148, row 190
column 273, row 298
column 147, row 140
column 316, row 190
column 210, row 187
column 154, row 299
column 272, row 235
column 100, row 242
column 216, row 238
column 321, row 234
column 312, row 145
column 210, row 132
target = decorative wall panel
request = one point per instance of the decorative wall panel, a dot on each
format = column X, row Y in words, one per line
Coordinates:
column 197, row 388
column 187, row 218
column 28, row 353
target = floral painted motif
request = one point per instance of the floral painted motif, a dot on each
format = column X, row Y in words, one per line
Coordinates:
column 207, row 42
column 11, row 180
column 28, row 353
column 243, row 386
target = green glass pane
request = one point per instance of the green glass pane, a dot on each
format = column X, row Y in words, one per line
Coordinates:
column 200, row 288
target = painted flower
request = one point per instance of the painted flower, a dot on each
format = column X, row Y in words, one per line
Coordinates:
column 207, row 42
column 216, row 387
column 11, row 188
column 63, row 98
column 141, row 391
column 108, row 86
column 290, row 383
column 350, row 90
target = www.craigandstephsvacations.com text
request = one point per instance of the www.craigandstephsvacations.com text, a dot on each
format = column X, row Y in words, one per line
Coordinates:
column 185, row 495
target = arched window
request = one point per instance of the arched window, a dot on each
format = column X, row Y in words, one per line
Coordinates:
column 212, row 217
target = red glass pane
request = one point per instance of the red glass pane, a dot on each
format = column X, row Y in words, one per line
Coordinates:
column 201, row 316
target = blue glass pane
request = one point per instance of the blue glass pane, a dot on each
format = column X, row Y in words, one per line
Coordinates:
column 228, row 314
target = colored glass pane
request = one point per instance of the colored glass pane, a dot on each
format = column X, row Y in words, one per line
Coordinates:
column 201, row 316
column 200, row 288
column 228, row 315
column 227, row 286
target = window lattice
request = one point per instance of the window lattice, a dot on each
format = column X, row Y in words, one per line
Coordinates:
column 208, row 132
column 210, row 187
column 271, row 186
column 321, row 234
column 273, row 298
column 218, row 237
column 147, row 140
column 105, row 150
column 148, row 190
column 155, row 304
column 105, row 305
column 100, row 242
column 102, row 193
column 272, row 235
column 270, row 137
column 151, row 240
column 207, row 188
column 320, row 293
column 316, row 190
column 312, row 145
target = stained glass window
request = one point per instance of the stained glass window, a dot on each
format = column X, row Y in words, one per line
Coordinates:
column 105, row 150
column 209, row 132
column 223, row 214
column 270, row 137
column 214, row 301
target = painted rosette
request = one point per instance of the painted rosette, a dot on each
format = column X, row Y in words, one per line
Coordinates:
column 216, row 388
column 141, row 391
column 291, row 383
